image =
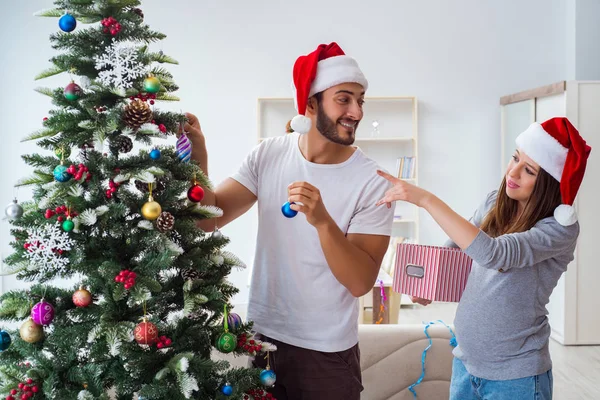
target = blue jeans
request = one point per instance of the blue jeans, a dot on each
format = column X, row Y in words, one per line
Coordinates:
column 465, row 386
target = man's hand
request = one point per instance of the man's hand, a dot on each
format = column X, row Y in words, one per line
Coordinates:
column 194, row 133
column 311, row 203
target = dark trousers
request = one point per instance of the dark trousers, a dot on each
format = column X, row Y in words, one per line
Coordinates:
column 304, row 374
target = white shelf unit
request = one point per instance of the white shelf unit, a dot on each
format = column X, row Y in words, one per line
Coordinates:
column 397, row 136
column 573, row 308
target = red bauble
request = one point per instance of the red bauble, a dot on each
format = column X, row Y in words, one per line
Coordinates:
column 82, row 298
column 146, row 333
column 195, row 193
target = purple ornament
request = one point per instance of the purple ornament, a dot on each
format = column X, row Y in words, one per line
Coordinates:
column 184, row 148
column 234, row 321
column 42, row 313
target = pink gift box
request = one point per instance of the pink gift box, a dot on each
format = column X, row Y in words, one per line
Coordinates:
column 431, row 272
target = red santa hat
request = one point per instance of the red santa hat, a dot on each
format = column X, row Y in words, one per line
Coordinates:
column 559, row 149
column 325, row 67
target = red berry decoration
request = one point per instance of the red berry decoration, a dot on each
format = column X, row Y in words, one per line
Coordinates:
column 126, row 277
column 111, row 25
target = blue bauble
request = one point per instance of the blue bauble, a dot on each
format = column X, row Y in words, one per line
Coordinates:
column 155, row 154
column 287, row 211
column 61, row 174
column 67, row 23
column 227, row 389
column 5, row 340
column 267, row 377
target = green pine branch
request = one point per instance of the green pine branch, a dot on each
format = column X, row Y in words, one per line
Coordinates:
column 49, row 72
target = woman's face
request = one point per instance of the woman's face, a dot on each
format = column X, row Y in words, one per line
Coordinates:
column 521, row 175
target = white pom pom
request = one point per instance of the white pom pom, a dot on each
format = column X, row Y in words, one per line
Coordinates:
column 565, row 215
column 301, row 124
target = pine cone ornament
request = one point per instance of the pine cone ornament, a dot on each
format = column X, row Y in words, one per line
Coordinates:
column 190, row 274
column 121, row 144
column 157, row 187
column 165, row 222
column 137, row 113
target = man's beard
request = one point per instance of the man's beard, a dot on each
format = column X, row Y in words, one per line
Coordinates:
column 328, row 128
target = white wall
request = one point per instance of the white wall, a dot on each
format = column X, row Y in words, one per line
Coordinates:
column 458, row 57
column 582, row 39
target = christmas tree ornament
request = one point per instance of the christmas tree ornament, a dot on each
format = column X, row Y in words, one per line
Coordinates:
column 31, row 332
column 151, row 210
column 61, row 174
column 82, row 297
column 146, row 333
column 227, row 389
column 151, row 84
column 13, row 211
column 62, row 152
column 42, row 313
column 268, row 377
column 234, row 321
column 68, row 224
column 190, row 274
column 5, row 340
column 287, row 211
column 216, row 234
column 137, row 113
column 165, row 222
column 195, row 193
column 226, row 342
column 121, row 144
column 72, row 91
column 184, row 148
column 155, row 154
column 158, row 186
column 67, row 23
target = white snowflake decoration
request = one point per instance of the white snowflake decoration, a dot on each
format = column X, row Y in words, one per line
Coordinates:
column 119, row 66
column 46, row 245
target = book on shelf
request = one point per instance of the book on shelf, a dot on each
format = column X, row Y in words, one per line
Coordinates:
column 405, row 167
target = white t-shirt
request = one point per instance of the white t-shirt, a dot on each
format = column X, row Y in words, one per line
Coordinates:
column 294, row 296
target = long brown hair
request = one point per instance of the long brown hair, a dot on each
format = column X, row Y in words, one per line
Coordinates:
column 503, row 217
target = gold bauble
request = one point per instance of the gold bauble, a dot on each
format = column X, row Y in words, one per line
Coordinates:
column 151, row 210
column 31, row 332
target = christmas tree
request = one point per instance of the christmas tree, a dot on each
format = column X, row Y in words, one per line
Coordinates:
column 150, row 302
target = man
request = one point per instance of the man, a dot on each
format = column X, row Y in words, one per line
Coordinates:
column 310, row 269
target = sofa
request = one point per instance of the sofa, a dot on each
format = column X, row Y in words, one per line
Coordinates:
column 391, row 361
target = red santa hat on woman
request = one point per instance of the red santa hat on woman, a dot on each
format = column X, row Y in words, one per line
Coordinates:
column 325, row 67
column 559, row 149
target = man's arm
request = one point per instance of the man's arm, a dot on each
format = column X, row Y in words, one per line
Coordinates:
column 354, row 260
column 230, row 196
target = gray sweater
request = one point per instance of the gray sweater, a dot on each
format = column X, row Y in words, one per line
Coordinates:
column 501, row 322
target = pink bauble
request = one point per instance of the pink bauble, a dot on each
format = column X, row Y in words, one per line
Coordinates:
column 42, row 313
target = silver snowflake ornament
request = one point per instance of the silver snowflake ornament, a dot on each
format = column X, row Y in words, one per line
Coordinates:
column 45, row 247
column 119, row 66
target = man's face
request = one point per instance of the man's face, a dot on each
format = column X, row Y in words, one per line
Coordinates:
column 339, row 112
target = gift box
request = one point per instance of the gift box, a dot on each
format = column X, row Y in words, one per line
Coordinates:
column 431, row 272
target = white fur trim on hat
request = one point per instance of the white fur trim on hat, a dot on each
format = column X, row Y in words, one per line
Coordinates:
column 334, row 71
column 543, row 149
column 301, row 124
column 565, row 215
